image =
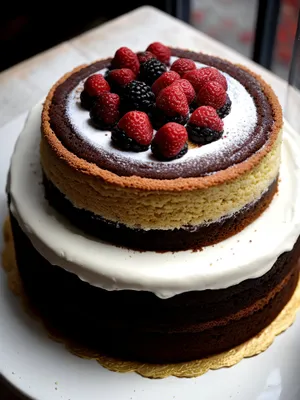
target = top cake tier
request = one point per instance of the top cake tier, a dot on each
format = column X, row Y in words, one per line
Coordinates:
column 246, row 129
column 168, row 151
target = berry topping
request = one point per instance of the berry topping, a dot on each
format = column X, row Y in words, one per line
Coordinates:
column 199, row 77
column 93, row 87
column 152, row 70
column 171, row 106
column 105, row 111
column 96, row 84
column 225, row 110
column 164, row 80
column 120, row 77
column 170, row 142
column 137, row 95
column 144, row 56
column 206, row 117
column 183, row 65
column 86, row 100
column 161, row 52
column 172, row 101
column 134, row 132
column 187, row 89
column 126, row 58
column 205, row 126
column 212, row 94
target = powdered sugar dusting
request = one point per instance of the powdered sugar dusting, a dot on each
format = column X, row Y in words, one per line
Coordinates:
column 238, row 127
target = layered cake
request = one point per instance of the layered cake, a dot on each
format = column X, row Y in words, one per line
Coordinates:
column 152, row 216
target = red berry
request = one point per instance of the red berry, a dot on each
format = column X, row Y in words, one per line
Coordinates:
column 121, row 77
column 96, row 84
column 105, row 111
column 183, row 65
column 161, row 52
column 222, row 81
column 207, row 117
column 212, row 94
column 137, row 126
column 144, row 56
column 126, row 58
column 170, row 140
column 199, row 77
column 187, row 88
column 172, row 101
column 166, row 79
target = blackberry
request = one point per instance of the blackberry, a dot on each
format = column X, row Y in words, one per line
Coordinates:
column 106, row 74
column 193, row 106
column 138, row 96
column 157, row 154
column 225, row 110
column 201, row 135
column 151, row 70
column 86, row 100
column 124, row 142
column 159, row 118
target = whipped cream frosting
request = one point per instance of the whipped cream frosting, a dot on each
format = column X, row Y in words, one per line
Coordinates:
column 238, row 127
column 249, row 254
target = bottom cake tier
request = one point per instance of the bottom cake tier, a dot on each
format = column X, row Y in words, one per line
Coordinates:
column 138, row 325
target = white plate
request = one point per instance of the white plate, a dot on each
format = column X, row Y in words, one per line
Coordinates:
column 44, row 370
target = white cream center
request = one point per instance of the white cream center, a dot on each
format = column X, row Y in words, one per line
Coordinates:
column 238, row 126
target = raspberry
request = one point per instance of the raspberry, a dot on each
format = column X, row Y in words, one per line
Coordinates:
column 187, row 89
column 118, row 78
column 171, row 106
column 225, row 110
column 205, row 126
column 96, row 84
column 164, row 80
column 151, row 70
column 212, row 94
column 93, row 86
column 170, row 142
column 172, row 101
column 134, row 132
column 207, row 117
column 126, row 58
column 144, row 56
column 137, row 95
column 183, row 65
column 105, row 111
column 199, row 77
column 161, row 52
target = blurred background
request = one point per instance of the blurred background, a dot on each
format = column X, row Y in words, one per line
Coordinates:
column 234, row 22
column 248, row 26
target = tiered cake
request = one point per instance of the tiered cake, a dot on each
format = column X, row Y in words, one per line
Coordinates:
column 153, row 242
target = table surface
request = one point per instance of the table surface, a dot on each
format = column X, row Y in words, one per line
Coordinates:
column 26, row 83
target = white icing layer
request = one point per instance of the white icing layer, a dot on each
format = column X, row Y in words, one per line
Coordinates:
column 238, row 126
column 249, row 254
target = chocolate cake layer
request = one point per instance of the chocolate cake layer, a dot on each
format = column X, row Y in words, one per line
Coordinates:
column 138, row 325
column 65, row 131
column 188, row 237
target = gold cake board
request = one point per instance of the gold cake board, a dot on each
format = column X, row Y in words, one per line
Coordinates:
column 189, row 369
